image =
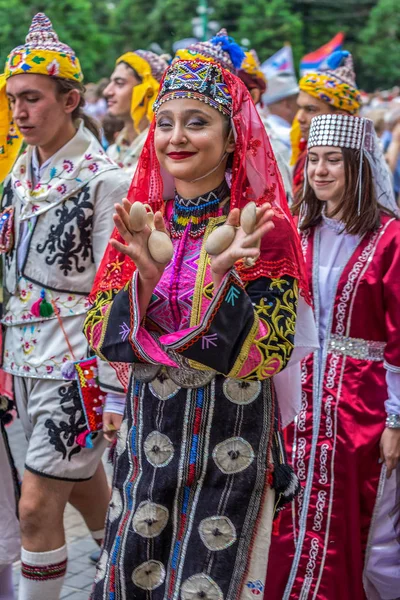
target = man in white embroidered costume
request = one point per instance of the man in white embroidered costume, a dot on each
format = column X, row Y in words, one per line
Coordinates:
column 130, row 94
column 56, row 220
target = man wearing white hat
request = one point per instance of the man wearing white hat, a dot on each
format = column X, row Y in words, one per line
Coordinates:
column 280, row 100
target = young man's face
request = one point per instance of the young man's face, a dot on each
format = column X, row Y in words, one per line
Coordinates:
column 38, row 111
column 119, row 91
column 309, row 107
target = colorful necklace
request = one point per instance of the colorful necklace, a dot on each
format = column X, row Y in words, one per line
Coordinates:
column 196, row 211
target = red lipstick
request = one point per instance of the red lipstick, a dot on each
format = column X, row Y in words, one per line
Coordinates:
column 180, row 155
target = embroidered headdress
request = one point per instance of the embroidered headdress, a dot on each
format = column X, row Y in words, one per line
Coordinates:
column 335, row 84
column 255, row 176
column 197, row 80
column 221, row 49
column 150, row 68
column 42, row 54
column 356, row 133
column 250, row 72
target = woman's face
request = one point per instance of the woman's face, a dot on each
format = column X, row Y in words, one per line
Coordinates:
column 191, row 138
column 326, row 174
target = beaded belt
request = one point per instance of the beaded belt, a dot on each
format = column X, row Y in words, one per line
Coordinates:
column 356, row 348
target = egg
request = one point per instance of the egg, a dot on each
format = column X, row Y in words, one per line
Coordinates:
column 160, row 247
column 220, row 239
column 137, row 217
column 248, row 218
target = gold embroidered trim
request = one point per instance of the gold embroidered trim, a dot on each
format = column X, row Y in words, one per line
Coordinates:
column 245, row 349
column 94, row 317
column 201, row 272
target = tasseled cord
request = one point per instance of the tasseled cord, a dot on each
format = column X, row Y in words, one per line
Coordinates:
column 84, row 439
column 42, row 308
column 360, row 172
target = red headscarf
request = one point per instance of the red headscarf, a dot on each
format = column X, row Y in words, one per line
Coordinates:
column 255, row 177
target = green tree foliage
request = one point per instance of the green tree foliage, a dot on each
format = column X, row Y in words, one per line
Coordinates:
column 130, row 25
column 379, row 46
column 83, row 24
column 268, row 25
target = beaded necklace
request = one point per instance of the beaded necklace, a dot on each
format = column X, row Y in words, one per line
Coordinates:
column 196, row 211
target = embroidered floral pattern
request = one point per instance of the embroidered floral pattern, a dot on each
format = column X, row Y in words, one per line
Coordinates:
column 62, row 435
column 253, row 146
column 256, row 587
column 19, row 306
column 61, row 178
column 277, row 313
column 62, row 246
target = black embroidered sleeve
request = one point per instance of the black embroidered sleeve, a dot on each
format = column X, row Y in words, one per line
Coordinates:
column 245, row 333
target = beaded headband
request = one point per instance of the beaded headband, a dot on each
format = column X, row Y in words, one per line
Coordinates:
column 342, row 131
column 195, row 80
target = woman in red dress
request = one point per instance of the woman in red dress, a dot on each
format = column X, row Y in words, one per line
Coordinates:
column 341, row 539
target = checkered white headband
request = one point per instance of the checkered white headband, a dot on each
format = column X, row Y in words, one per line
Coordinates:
column 342, row 131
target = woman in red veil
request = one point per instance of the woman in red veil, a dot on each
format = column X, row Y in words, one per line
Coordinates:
column 199, row 342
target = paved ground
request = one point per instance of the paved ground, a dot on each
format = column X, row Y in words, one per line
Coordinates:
column 80, row 544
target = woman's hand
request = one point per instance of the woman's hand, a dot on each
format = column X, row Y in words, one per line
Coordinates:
column 136, row 243
column 390, row 449
column 111, row 425
column 244, row 245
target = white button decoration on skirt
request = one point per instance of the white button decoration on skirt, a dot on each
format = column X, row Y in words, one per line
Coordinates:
column 217, row 533
column 163, row 388
column 121, row 437
column 201, row 586
column 101, row 567
column 159, row 449
column 149, row 575
column 233, row 455
column 150, row 519
column 241, row 392
column 115, row 508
